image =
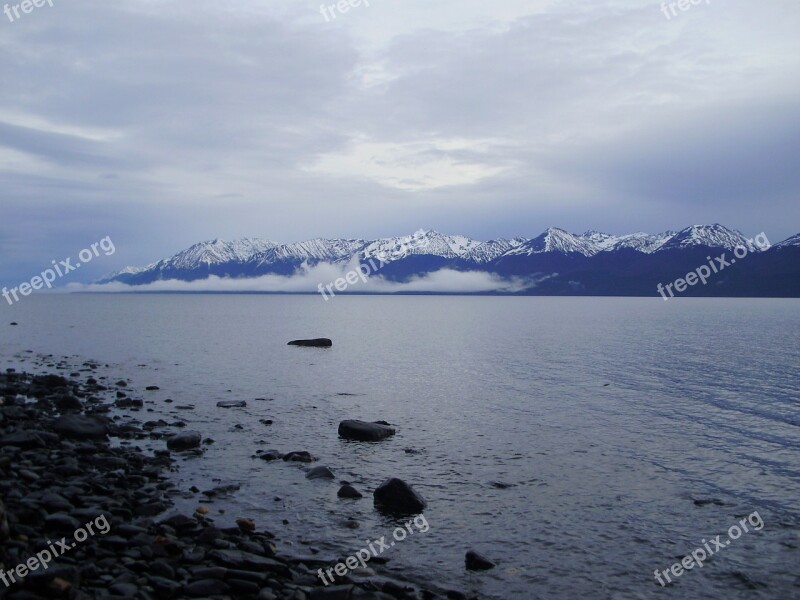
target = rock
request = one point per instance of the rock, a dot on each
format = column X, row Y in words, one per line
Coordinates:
column 14, row 323
column 301, row 456
column 61, row 522
column 348, row 491
column 396, row 496
column 315, row 343
column 246, row 524
column 246, row 561
column 334, row 592
column 207, row 588
column 67, row 402
column 152, row 388
column 232, row 404
column 49, row 382
column 320, row 473
column 500, row 485
column 270, row 455
column 122, row 383
column 364, row 432
column 22, row 439
column 185, row 440
column 128, row 590
column 81, row 427
column 4, row 532
column 476, row 562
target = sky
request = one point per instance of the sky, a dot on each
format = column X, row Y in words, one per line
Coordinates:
column 163, row 123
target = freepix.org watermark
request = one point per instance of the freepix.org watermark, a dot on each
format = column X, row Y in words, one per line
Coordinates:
column 45, row 557
column 698, row 556
column 342, row 6
column 48, row 276
column 714, row 266
column 362, row 272
column 26, row 6
column 669, row 8
column 375, row 548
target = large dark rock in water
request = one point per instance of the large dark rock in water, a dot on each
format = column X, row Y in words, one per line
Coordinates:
column 301, row 456
column 185, row 440
column 320, row 473
column 316, row 343
column 364, row 432
column 81, row 427
column 232, row 404
column 397, row 497
column 476, row 562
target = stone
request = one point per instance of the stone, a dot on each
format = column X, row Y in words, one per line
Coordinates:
column 364, row 432
column 348, row 491
column 396, row 496
column 315, row 343
column 477, row 562
column 320, row 473
column 186, row 440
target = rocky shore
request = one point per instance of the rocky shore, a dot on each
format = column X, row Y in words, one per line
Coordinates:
column 66, row 462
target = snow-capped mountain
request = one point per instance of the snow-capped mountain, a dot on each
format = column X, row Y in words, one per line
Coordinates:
column 711, row 236
column 422, row 242
column 217, row 252
column 555, row 240
column 589, row 263
column 792, row 242
column 311, row 252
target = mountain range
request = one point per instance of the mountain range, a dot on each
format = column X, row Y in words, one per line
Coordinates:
column 554, row 263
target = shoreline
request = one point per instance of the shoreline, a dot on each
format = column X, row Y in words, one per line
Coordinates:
column 66, row 463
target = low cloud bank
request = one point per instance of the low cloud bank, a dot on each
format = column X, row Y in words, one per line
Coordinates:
column 309, row 279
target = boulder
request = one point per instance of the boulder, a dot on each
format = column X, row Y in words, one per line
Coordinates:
column 315, row 343
column 476, row 562
column 232, row 404
column 81, row 427
column 301, row 456
column 396, row 496
column 348, row 491
column 22, row 439
column 185, row 440
column 270, row 455
column 320, row 473
column 364, row 432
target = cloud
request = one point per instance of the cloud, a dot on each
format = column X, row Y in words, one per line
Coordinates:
column 308, row 279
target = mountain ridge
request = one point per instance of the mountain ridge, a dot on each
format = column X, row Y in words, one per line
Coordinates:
column 556, row 253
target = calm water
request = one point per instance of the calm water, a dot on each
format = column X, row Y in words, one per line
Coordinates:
column 702, row 402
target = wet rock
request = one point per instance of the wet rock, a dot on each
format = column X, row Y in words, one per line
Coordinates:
column 477, row 562
column 81, row 427
column 232, row 404
column 22, row 439
column 315, row 343
column 364, row 432
column 152, row 388
column 207, row 588
column 186, row 440
column 301, row 456
column 320, row 473
column 348, row 491
column 246, row 524
column 396, row 496
column 270, row 455
column 67, row 402
column 246, row 561
column 333, row 592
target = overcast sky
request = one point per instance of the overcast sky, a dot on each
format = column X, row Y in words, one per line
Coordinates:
column 164, row 123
